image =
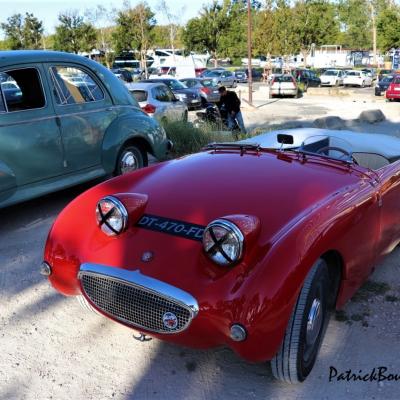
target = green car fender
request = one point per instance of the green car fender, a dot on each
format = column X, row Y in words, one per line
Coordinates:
column 133, row 127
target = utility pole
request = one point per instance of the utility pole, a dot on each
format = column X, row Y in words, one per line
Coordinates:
column 250, row 77
column 371, row 5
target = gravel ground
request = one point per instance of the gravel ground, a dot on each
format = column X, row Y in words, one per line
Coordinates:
column 51, row 349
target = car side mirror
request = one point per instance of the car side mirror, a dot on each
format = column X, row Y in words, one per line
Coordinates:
column 285, row 139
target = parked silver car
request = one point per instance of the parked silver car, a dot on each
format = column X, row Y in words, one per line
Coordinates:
column 205, row 87
column 157, row 100
column 221, row 77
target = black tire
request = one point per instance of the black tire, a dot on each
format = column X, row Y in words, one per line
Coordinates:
column 234, row 84
column 130, row 159
column 185, row 117
column 296, row 357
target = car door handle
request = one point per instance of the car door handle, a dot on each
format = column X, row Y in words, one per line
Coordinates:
column 109, row 108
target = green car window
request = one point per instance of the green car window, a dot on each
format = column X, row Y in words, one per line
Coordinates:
column 72, row 85
column 22, row 89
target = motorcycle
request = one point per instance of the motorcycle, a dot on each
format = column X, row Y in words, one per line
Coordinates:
column 217, row 118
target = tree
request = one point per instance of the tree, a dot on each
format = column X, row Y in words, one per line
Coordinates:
column 355, row 21
column 173, row 22
column 134, row 30
column 206, row 31
column 387, row 25
column 100, row 17
column 233, row 42
column 23, row 32
column 161, row 36
column 32, row 32
column 74, row 35
column 314, row 23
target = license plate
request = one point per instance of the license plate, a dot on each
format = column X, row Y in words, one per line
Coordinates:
column 173, row 227
column 194, row 101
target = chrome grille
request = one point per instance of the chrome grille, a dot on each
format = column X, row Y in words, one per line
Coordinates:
column 133, row 304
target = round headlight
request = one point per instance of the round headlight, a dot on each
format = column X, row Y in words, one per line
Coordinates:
column 111, row 215
column 223, row 242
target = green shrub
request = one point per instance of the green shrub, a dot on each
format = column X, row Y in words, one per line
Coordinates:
column 188, row 139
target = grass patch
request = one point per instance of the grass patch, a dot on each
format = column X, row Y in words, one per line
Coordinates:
column 369, row 289
column 188, row 139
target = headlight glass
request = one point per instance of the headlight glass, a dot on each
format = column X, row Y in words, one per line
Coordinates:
column 111, row 215
column 223, row 242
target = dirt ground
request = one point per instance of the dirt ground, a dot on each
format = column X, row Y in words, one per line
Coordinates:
column 51, row 349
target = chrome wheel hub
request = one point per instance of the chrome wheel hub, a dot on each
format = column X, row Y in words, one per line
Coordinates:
column 314, row 322
column 129, row 162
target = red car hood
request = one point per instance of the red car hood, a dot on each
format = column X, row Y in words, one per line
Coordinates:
column 196, row 189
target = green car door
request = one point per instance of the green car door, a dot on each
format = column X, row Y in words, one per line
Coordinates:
column 84, row 110
column 30, row 141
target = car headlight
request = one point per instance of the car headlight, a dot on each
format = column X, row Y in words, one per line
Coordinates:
column 111, row 215
column 223, row 242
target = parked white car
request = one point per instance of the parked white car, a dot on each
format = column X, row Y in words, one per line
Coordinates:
column 283, row 85
column 357, row 78
column 332, row 77
column 158, row 101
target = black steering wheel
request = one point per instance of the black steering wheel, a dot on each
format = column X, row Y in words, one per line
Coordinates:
column 322, row 150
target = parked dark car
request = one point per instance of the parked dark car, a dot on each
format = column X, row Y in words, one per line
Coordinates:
column 122, row 74
column 205, row 87
column 382, row 85
column 182, row 92
column 385, row 72
column 65, row 119
column 306, row 76
column 241, row 75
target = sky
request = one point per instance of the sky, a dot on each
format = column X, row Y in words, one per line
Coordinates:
column 48, row 10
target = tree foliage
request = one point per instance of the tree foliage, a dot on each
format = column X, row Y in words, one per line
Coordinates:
column 133, row 29
column 355, row 19
column 388, row 23
column 74, row 34
column 23, row 32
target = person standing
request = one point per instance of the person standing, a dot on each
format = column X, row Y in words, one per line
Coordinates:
column 231, row 102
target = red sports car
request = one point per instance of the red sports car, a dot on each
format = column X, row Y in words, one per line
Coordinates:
column 393, row 91
column 246, row 244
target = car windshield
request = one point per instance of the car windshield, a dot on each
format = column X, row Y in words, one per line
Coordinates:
column 214, row 73
column 328, row 146
column 208, row 83
column 353, row 73
column 175, row 85
column 283, row 78
column 387, row 79
column 140, row 95
column 396, row 80
column 331, row 72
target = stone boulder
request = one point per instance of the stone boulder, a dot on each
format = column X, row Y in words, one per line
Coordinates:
column 330, row 122
column 372, row 116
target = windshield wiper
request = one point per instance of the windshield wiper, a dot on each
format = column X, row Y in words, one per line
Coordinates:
column 233, row 145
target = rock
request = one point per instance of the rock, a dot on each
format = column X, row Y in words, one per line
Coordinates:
column 372, row 116
column 331, row 122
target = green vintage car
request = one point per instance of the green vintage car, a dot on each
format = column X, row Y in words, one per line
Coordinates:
column 65, row 119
